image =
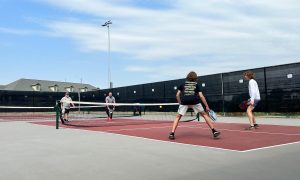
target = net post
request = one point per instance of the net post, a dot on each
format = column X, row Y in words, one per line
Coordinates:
column 57, row 115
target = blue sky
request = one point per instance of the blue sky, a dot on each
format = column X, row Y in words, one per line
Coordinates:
column 151, row 40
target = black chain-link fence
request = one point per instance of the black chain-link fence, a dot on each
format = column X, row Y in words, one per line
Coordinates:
column 279, row 87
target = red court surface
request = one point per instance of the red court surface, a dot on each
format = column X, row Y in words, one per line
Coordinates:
column 233, row 136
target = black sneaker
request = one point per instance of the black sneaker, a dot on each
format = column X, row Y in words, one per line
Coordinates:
column 256, row 126
column 216, row 134
column 172, row 136
column 250, row 128
column 66, row 120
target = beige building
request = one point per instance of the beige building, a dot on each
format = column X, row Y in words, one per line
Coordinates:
column 47, row 86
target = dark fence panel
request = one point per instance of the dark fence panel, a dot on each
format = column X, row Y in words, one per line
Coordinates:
column 211, row 84
column 279, row 87
column 284, row 101
column 171, row 89
column 283, row 78
column 154, row 90
column 232, row 102
column 91, row 96
column 234, row 82
column 215, row 102
column 134, row 93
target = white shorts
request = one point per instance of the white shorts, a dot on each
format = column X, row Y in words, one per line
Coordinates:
column 183, row 108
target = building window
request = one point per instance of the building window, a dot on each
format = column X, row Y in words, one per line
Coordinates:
column 36, row 87
column 241, row 81
column 203, row 84
column 53, row 88
column 152, row 90
column 175, row 87
column 83, row 89
column 69, row 89
column 134, row 92
column 289, row 76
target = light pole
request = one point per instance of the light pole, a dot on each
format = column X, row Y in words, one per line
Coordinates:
column 107, row 24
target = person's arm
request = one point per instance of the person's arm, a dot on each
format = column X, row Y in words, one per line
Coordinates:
column 106, row 101
column 61, row 103
column 204, row 101
column 114, row 102
column 178, row 96
column 72, row 103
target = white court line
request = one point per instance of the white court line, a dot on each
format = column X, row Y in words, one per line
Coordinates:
column 197, row 126
column 149, row 128
column 166, row 141
column 265, row 147
column 268, row 147
column 150, row 139
column 253, row 132
column 193, row 126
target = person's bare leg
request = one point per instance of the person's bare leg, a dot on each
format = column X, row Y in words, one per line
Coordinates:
column 210, row 124
column 250, row 115
column 175, row 123
column 207, row 119
column 253, row 119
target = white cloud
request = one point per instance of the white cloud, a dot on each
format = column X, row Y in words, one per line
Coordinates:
column 164, row 71
column 17, row 31
column 222, row 34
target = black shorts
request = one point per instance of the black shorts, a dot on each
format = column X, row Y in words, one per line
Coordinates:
column 67, row 111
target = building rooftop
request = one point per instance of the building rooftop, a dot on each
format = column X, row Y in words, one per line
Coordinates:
column 46, row 86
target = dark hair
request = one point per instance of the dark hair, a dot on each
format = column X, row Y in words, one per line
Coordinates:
column 192, row 76
column 249, row 74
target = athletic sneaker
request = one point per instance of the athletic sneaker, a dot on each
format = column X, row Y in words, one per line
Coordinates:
column 256, row 126
column 250, row 128
column 216, row 134
column 172, row 136
column 66, row 120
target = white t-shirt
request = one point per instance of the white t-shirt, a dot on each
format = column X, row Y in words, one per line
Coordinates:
column 253, row 90
column 66, row 105
column 109, row 99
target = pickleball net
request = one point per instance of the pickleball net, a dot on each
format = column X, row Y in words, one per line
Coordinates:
column 93, row 114
column 26, row 113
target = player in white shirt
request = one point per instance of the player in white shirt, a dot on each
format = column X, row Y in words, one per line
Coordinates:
column 254, row 99
column 110, row 108
column 65, row 106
